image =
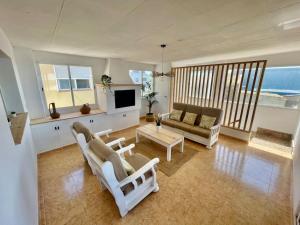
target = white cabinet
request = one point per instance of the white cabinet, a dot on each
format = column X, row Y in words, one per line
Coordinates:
column 47, row 136
column 124, row 120
column 52, row 135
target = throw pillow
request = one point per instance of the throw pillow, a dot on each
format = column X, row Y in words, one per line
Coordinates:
column 175, row 115
column 129, row 169
column 190, row 118
column 207, row 121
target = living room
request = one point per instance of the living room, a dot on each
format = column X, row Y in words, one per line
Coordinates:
column 149, row 112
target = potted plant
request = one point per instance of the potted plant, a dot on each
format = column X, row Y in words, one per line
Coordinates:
column 106, row 81
column 158, row 120
column 151, row 101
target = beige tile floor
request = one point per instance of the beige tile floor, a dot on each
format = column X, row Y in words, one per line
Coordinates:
column 233, row 184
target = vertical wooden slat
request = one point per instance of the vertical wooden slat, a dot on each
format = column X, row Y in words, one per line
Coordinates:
column 251, row 95
column 207, row 86
column 233, row 94
column 224, row 87
column 196, row 86
column 211, row 85
column 200, row 86
column 192, row 85
column 220, row 85
column 216, row 84
column 187, row 84
column 245, row 94
column 182, row 85
column 258, row 93
column 228, row 95
column 239, row 95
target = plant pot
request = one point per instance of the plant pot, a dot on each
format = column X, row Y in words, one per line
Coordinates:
column 150, row 117
column 158, row 128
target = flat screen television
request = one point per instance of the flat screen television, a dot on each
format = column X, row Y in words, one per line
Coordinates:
column 124, row 98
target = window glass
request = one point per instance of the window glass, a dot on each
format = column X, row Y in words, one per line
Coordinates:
column 281, row 87
column 51, row 85
column 82, row 84
column 145, row 78
column 56, row 84
column 83, row 91
column 63, row 84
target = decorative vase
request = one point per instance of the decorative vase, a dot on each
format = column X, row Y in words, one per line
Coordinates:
column 158, row 128
column 85, row 109
column 54, row 114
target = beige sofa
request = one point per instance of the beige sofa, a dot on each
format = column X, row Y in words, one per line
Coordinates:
column 207, row 137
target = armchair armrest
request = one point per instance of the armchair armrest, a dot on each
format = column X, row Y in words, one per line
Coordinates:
column 165, row 115
column 115, row 142
column 125, row 149
column 132, row 178
column 104, row 132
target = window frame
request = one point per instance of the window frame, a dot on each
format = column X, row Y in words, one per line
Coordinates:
column 142, row 79
column 66, row 109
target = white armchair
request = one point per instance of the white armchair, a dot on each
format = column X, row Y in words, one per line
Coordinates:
column 140, row 184
column 83, row 144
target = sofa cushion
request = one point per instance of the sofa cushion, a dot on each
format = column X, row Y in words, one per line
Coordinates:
column 200, row 131
column 106, row 153
column 176, row 115
column 182, row 107
column 213, row 112
column 80, row 128
column 207, row 121
column 194, row 109
column 187, row 128
column 189, row 118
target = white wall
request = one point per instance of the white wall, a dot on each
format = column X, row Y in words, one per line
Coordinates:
column 296, row 173
column 278, row 119
column 28, row 60
column 18, row 167
column 8, row 86
column 118, row 69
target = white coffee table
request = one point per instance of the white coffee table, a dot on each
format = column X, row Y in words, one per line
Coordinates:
column 162, row 136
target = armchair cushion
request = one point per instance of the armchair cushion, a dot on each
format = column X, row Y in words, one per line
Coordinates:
column 106, row 153
column 137, row 161
column 80, row 128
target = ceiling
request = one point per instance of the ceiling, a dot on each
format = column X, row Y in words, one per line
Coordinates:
column 134, row 29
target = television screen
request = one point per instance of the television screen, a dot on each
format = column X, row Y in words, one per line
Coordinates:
column 124, row 98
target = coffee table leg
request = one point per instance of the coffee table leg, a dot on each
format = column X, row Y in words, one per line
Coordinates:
column 137, row 138
column 182, row 145
column 169, row 151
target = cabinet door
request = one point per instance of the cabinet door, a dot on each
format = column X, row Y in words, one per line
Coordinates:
column 65, row 133
column 46, row 136
column 124, row 120
column 100, row 122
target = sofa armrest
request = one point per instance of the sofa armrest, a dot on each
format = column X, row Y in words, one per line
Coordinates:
column 215, row 129
column 165, row 116
column 140, row 173
column 104, row 132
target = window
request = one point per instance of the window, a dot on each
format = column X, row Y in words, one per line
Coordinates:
column 66, row 85
column 145, row 78
column 281, row 87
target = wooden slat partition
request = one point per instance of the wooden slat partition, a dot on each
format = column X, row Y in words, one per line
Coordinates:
column 234, row 87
